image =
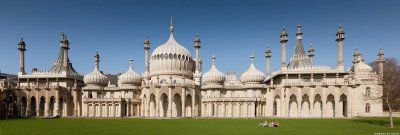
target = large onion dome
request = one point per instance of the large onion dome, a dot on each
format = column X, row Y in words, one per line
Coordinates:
column 130, row 77
column 95, row 77
column 252, row 75
column 213, row 76
column 171, row 58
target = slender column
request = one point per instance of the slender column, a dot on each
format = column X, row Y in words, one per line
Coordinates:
column 47, row 104
column 183, row 102
column 57, row 102
column 146, row 57
column 170, row 101
column 323, row 104
column 286, row 103
column 381, row 60
column 299, row 106
column 336, row 106
column 37, row 103
column 28, row 107
column 75, row 102
column 158, row 102
column 193, row 101
column 312, row 95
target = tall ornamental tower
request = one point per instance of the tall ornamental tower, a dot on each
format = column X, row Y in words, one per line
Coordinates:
column 268, row 56
column 22, row 49
column 339, row 40
column 197, row 73
column 381, row 60
column 283, row 41
column 146, row 58
column 65, row 46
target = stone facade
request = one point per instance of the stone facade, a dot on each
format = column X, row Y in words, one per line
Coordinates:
column 173, row 85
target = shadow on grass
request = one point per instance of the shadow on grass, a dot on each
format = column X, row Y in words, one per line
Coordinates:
column 378, row 121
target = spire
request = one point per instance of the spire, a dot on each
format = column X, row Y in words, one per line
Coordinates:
column 171, row 26
column 97, row 59
column 299, row 58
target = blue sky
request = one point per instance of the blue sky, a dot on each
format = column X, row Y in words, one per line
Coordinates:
column 230, row 29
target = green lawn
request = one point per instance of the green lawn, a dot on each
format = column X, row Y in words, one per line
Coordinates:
column 362, row 126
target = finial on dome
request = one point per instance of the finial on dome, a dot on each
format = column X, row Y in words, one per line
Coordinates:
column 130, row 63
column 97, row 59
column 171, row 26
column 213, row 59
column 252, row 57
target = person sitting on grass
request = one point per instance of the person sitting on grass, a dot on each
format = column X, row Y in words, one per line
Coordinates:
column 261, row 123
column 265, row 124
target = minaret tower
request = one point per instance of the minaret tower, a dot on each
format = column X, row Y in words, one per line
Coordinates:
column 197, row 73
column 146, row 58
column 268, row 56
column 283, row 41
column 339, row 39
column 311, row 54
column 22, row 49
column 65, row 46
column 381, row 60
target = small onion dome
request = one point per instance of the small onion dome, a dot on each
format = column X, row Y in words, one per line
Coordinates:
column 95, row 78
column 130, row 77
column 214, row 76
column 361, row 66
column 252, row 75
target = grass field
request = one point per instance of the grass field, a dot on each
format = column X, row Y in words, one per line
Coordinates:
column 362, row 126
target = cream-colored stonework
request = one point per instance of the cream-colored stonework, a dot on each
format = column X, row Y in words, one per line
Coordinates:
column 173, row 85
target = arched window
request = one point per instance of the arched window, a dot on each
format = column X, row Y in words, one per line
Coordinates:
column 368, row 91
column 367, row 108
column 90, row 94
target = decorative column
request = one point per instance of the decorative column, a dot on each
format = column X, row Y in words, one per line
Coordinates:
column 339, row 39
column 75, row 90
column 158, row 101
column 183, row 102
column 65, row 47
column 28, row 107
column 193, row 101
column 170, row 101
column 22, row 49
column 268, row 56
column 283, row 41
column 57, row 100
column 47, row 104
column 37, row 102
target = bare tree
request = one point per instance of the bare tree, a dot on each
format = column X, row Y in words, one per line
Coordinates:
column 391, row 85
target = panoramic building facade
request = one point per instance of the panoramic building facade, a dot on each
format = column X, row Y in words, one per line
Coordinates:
column 173, row 85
